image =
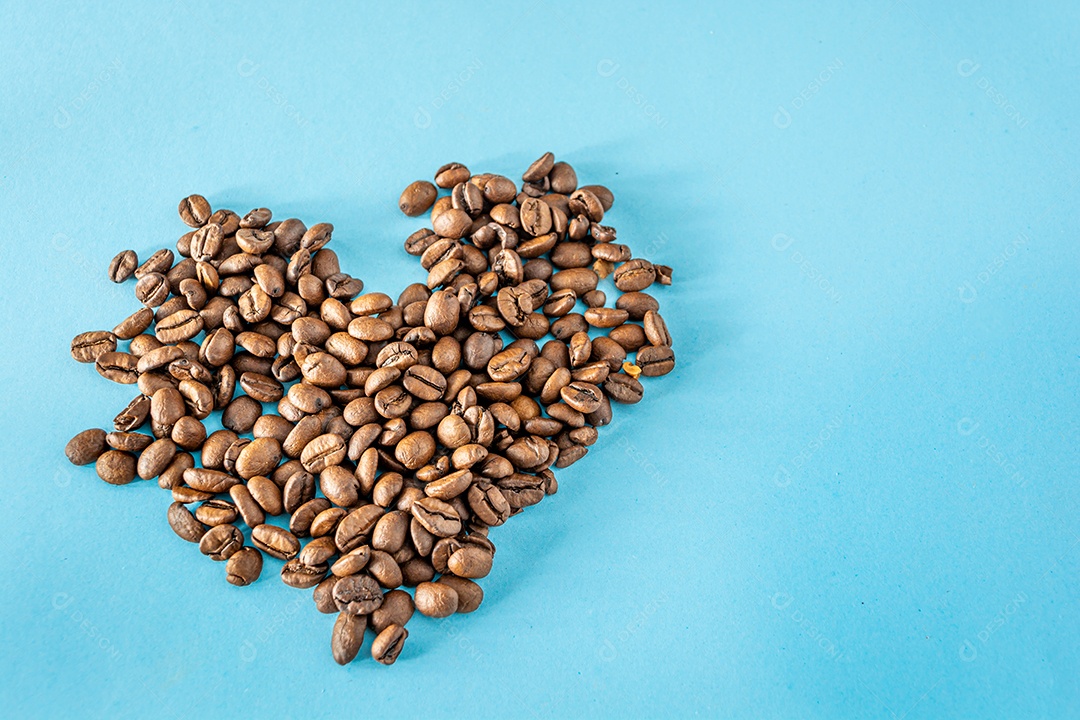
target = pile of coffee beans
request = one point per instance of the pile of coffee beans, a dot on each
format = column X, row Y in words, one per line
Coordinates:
column 405, row 428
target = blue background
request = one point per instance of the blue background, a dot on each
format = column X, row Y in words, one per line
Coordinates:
column 857, row 494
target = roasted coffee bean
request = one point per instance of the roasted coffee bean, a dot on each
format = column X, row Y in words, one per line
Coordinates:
column 655, row 360
column 88, row 347
column 259, row 457
column 240, row 414
column 123, row 266
column 453, row 223
column 623, row 388
column 251, row 512
column 451, row 174
column 470, row 562
column 322, row 452
column 267, row 494
column 152, row 289
column 470, row 595
column 388, row 644
column 244, row 567
column 417, row 198
column 275, row 541
column 352, row 562
column 339, row 486
column 155, row 458
column 582, row 396
column 535, row 216
column 134, row 324
column 184, row 523
column 347, row 637
column 436, row 600
column 157, row 264
column 323, row 596
column 602, row 317
column 298, row 575
column 206, row 243
column 211, row 481
column 221, row 542
column 216, row 512
column 188, row 433
column 318, row 551
column 194, row 211
column 634, row 275
column 656, row 329
column 181, row 325
column 396, row 609
column 438, row 517
column 120, row 367
column 301, row 521
column 86, row 447
column 128, row 441
column 358, row 594
column 257, row 218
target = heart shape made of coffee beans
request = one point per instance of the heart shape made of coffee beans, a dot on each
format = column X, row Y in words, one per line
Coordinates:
column 405, row 429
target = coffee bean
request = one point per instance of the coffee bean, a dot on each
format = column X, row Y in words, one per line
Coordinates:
column 211, row 481
column 417, row 198
column 352, row 562
column 257, row 218
column 656, row 329
column 436, row 600
column 134, row 324
column 453, row 223
column 339, row 486
column 318, row 551
column 259, row 457
column 470, row 595
column 355, row 528
column 299, row 575
column 535, row 217
column 655, row 360
column 348, row 637
column 206, row 243
column 358, row 594
column 470, row 562
column 602, row 317
column 221, row 542
column 267, row 494
column 128, row 441
column 86, row 447
column 123, row 266
column 582, row 396
column 623, row 388
column 488, row 503
column 194, row 211
column 275, row 541
column 87, row 347
column 216, row 512
column 184, row 523
column 539, row 168
column 438, row 517
column 244, row 567
column 388, row 644
column 451, row 174
column 120, row 367
column 396, row 609
column 634, row 275
column 157, row 264
column 180, row 326
column 322, row 452
column 155, row 458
